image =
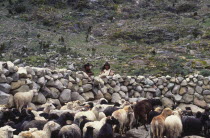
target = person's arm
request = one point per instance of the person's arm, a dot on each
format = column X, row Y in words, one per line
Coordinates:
column 111, row 73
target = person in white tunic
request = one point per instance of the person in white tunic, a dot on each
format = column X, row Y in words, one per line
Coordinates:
column 106, row 71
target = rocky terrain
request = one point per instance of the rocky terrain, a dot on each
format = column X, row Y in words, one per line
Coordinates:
column 65, row 85
column 62, row 86
column 138, row 37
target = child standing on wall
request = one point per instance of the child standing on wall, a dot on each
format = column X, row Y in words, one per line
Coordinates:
column 106, row 71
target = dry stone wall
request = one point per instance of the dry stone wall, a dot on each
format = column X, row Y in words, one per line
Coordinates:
column 64, row 85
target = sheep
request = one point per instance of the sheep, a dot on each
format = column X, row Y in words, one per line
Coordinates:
column 109, row 110
column 23, row 98
column 122, row 116
column 106, row 130
column 96, row 125
column 192, row 125
column 71, row 105
column 82, row 123
column 93, row 114
column 158, row 123
column 154, row 113
column 6, row 132
column 46, row 132
column 64, row 119
column 89, row 133
column 45, row 112
column 173, row 125
column 26, row 134
column 102, row 101
column 39, row 124
column 142, row 109
column 70, row 131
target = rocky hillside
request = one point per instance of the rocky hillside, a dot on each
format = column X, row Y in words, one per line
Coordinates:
column 137, row 37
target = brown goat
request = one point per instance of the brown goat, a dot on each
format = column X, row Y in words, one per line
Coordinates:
column 142, row 109
column 158, row 124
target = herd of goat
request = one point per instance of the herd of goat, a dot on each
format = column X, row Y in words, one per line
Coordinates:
column 100, row 119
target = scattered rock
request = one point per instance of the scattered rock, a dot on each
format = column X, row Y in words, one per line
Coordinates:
column 194, row 108
column 65, row 96
column 39, row 99
column 76, row 96
column 115, row 97
column 4, row 87
column 188, row 98
column 87, row 87
column 167, row 102
column 4, row 98
column 88, row 96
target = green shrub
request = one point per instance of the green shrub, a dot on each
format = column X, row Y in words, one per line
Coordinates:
column 205, row 72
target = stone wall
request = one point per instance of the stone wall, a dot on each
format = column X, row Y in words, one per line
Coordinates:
column 67, row 85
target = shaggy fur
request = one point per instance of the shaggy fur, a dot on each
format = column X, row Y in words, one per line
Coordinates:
column 158, row 124
column 122, row 116
column 173, row 125
column 23, row 98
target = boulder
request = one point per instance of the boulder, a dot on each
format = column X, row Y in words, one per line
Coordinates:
column 206, row 81
column 176, row 89
column 99, row 95
column 206, row 92
column 104, row 90
column 115, row 97
column 190, row 90
column 200, row 103
column 188, row 98
column 150, row 90
column 59, row 85
column 135, row 133
column 41, row 81
column 15, row 76
column 207, row 98
column 76, row 96
column 122, row 94
column 65, row 82
column 124, row 88
column 4, row 87
column 22, row 72
column 87, row 87
column 107, row 96
column 139, row 89
column 194, row 108
column 54, row 93
column 3, row 78
column 199, row 89
column 158, row 93
column 167, row 102
column 16, row 85
column 149, row 95
column 88, row 96
column 4, row 98
column 184, row 83
column 170, row 86
column 39, row 99
column 65, row 96
column 11, row 67
column 148, row 82
column 117, row 88
column 23, row 88
column 70, row 85
column 177, row 97
column 182, row 91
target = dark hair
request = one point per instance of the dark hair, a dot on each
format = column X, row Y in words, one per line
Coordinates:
column 106, row 64
column 87, row 65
